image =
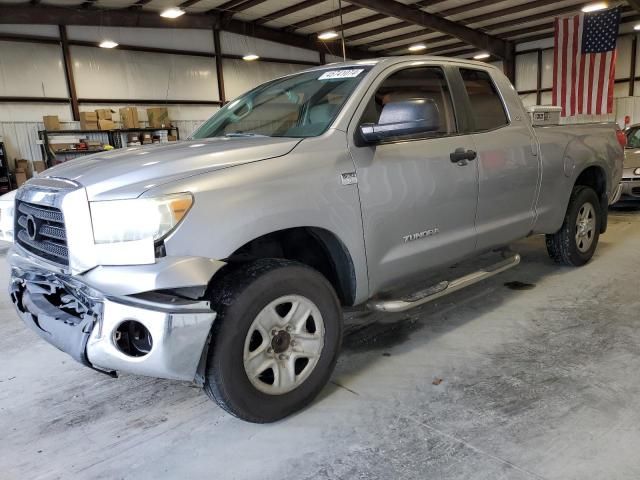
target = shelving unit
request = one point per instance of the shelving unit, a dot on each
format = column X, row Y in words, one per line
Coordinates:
column 5, row 179
column 115, row 138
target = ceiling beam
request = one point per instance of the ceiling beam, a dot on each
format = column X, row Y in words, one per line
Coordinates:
column 139, row 4
column 508, row 35
column 457, row 10
column 635, row 4
column 329, row 15
column 357, row 23
column 228, row 13
column 187, row 3
column 25, row 13
column 504, row 24
column 413, row 14
column 288, row 11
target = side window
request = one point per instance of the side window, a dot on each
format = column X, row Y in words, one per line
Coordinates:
column 423, row 83
column 487, row 109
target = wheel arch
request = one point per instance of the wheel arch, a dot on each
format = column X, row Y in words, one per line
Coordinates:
column 594, row 176
column 313, row 246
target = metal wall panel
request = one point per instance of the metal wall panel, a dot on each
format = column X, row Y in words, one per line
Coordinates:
column 526, row 71
column 120, row 74
column 38, row 30
column 176, row 38
column 240, row 76
column 31, row 70
column 234, row 44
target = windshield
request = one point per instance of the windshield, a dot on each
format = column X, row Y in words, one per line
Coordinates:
column 302, row 105
column 633, row 137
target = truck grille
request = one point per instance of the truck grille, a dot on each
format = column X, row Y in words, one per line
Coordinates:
column 40, row 230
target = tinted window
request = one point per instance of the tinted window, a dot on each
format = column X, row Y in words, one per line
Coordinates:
column 487, row 109
column 424, row 83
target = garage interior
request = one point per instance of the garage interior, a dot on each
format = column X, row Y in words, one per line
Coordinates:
column 531, row 374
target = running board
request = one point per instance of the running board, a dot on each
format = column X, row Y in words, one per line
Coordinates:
column 443, row 288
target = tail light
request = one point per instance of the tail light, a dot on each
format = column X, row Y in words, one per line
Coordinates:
column 622, row 138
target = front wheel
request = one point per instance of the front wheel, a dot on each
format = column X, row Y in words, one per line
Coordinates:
column 575, row 243
column 275, row 340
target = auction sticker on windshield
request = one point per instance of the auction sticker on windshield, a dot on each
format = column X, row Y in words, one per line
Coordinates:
column 334, row 74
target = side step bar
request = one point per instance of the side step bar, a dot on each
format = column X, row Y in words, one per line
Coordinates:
column 443, row 288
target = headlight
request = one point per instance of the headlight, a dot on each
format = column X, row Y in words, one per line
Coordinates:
column 637, row 171
column 138, row 219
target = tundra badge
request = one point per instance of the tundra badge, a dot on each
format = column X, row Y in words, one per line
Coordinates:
column 419, row 235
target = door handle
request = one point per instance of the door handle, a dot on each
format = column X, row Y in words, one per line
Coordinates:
column 462, row 155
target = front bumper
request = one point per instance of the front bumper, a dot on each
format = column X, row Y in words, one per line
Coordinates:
column 85, row 323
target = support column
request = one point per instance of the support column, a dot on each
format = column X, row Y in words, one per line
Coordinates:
column 219, row 66
column 68, row 70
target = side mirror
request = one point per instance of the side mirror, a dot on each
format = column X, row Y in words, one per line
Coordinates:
column 402, row 119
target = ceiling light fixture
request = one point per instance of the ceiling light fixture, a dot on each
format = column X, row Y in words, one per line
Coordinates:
column 330, row 35
column 637, row 27
column 594, row 7
column 250, row 57
column 417, row 47
column 108, row 44
column 172, row 12
column 481, row 56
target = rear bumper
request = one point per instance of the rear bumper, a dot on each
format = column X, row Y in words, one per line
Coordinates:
column 86, row 324
column 630, row 189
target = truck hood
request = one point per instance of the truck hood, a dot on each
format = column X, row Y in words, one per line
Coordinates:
column 632, row 157
column 129, row 172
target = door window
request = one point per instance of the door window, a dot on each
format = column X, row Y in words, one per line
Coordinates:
column 487, row 109
column 422, row 83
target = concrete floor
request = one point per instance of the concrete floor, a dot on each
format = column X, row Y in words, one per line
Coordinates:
column 537, row 383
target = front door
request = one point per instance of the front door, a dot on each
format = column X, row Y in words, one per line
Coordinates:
column 418, row 206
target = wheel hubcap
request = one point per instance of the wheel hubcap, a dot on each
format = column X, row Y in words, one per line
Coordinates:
column 585, row 227
column 283, row 344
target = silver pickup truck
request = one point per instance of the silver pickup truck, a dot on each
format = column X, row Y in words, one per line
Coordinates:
column 226, row 259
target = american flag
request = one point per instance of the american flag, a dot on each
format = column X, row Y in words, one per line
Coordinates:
column 584, row 62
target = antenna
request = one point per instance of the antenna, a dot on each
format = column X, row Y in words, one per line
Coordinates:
column 344, row 48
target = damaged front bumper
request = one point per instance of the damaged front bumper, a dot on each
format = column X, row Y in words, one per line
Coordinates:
column 153, row 334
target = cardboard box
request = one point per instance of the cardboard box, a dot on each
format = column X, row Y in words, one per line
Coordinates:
column 129, row 117
column 24, row 166
column 158, row 117
column 21, row 177
column 58, row 147
column 51, row 123
column 106, row 124
column 88, row 121
column 39, row 166
column 105, row 114
column 172, row 138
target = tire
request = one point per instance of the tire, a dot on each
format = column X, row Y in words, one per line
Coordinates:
column 575, row 243
column 239, row 297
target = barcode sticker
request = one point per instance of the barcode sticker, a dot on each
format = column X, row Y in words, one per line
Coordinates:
column 334, row 74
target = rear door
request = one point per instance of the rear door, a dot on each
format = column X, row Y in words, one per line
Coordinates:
column 508, row 164
column 418, row 207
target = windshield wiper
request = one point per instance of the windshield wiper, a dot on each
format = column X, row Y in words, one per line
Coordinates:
column 241, row 134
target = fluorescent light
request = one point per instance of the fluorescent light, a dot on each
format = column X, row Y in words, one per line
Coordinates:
column 108, row 44
column 637, row 27
column 172, row 12
column 594, row 7
column 330, row 35
column 250, row 57
column 417, row 47
column 481, row 56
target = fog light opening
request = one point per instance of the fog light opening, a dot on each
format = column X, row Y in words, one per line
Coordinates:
column 133, row 339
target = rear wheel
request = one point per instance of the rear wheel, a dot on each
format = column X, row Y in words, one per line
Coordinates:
column 576, row 242
column 275, row 340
